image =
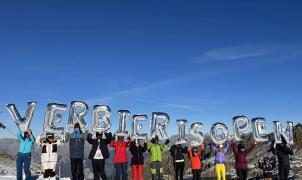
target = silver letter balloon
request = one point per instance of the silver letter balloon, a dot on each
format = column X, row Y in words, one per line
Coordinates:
column 52, row 116
column 22, row 122
column 219, row 133
column 100, row 118
column 137, row 128
column 78, row 110
column 164, row 117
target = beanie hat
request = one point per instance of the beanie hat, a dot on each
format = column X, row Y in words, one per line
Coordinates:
column 77, row 125
column 219, row 146
column 240, row 146
column 49, row 134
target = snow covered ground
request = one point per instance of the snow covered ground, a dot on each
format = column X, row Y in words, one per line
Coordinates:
column 14, row 178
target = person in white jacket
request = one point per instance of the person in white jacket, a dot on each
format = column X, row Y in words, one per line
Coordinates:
column 49, row 155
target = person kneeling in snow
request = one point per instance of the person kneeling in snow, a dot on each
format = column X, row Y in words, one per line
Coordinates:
column 49, row 156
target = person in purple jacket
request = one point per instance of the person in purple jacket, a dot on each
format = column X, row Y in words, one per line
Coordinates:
column 220, row 160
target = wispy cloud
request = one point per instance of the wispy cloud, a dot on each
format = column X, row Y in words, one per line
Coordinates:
column 153, row 86
column 201, row 107
column 181, row 106
column 168, row 82
column 264, row 52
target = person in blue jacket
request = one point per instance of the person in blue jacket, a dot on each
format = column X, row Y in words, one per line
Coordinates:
column 24, row 153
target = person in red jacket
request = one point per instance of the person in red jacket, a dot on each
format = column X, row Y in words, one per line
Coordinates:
column 194, row 155
column 120, row 157
column 240, row 159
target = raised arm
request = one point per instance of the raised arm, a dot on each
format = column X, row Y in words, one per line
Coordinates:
column 39, row 140
column 132, row 146
column 85, row 134
column 213, row 147
column 129, row 141
column 108, row 138
column 172, row 150
column 164, row 148
column 190, row 153
column 89, row 138
column 31, row 136
column 149, row 145
column 62, row 140
column 144, row 148
column 234, row 147
column 200, row 152
column 67, row 136
column 19, row 136
column 226, row 147
column 185, row 149
column 250, row 149
column 112, row 143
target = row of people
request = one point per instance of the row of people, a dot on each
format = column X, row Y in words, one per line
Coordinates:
column 195, row 154
column 99, row 153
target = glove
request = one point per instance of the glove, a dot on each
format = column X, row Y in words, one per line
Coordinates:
column 167, row 142
column 2, row 126
column 108, row 135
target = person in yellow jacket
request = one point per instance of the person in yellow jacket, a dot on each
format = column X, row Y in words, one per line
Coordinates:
column 156, row 150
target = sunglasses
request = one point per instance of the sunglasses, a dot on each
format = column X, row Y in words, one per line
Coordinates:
column 50, row 137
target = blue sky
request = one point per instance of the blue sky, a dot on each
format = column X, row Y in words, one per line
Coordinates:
column 200, row 60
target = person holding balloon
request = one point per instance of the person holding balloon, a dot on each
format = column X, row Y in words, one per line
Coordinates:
column 99, row 153
column 24, row 153
column 195, row 154
column 76, row 151
column 137, row 160
column 240, row 159
column 220, row 151
column 120, row 156
column 177, row 151
column 283, row 152
column 49, row 155
column 155, row 149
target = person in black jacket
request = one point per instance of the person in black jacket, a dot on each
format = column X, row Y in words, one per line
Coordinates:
column 99, row 153
column 283, row 151
column 137, row 160
column 177, row 152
